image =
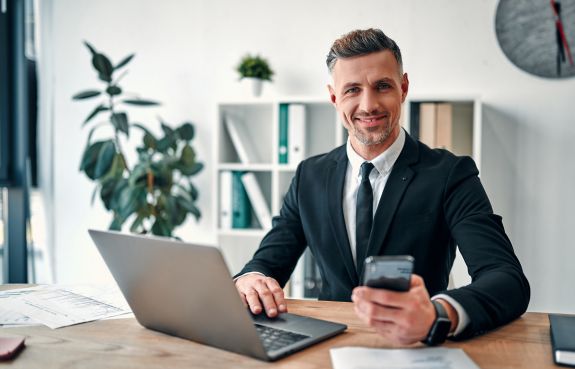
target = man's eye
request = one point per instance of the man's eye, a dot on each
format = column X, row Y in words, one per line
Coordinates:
column 351, row 90
column 383, row 86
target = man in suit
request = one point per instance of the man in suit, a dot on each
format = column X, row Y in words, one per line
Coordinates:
column 384, row 193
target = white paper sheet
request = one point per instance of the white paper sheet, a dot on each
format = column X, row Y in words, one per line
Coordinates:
column 57, row 306
column 417, row 358
column 9, row 317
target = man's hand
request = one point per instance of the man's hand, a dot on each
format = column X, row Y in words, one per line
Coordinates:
column 403, row 317
column 256, row 289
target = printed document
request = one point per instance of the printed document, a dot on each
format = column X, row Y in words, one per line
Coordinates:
column 415, row 358
column 9, row 317
column 57, row 306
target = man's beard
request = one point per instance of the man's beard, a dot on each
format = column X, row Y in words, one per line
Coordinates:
column 365, row 138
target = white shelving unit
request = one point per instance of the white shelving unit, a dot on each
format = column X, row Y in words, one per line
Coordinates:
column 260, row 117
column 466, row 139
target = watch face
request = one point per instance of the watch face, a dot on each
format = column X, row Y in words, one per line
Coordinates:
column 538, row 36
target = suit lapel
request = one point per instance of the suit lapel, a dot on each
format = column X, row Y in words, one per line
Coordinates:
column 334, row 184
column 399, row 178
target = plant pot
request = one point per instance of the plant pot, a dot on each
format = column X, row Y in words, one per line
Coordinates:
column 255, row 85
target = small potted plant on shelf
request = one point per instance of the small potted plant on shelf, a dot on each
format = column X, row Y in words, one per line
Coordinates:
column 256, row 69
column 154, row 193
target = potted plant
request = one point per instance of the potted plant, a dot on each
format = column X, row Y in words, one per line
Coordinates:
column 156, row 193
column 256, row 69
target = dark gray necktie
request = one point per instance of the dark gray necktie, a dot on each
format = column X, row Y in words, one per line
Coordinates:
column 363, row 215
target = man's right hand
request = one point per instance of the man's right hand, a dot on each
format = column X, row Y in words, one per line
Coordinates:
column 257, row 290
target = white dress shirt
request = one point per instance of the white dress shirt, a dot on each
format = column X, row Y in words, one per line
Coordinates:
column 383, row 164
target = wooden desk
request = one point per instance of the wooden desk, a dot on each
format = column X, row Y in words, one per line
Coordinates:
column 123, row 343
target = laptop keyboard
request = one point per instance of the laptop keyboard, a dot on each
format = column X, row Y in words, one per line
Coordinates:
column 275, row 339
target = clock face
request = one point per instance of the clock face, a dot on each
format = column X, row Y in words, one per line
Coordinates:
column 535, row 39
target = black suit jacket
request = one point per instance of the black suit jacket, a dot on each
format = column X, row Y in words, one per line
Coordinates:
column 433, row 201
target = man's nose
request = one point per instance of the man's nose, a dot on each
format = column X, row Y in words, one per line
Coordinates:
column 369, row 102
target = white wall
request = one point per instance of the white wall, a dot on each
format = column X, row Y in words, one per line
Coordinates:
column 186, row 53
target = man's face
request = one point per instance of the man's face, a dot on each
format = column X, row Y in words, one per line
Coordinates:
column 368, row 92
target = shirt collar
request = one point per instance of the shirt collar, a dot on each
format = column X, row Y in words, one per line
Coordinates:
column 383, row 162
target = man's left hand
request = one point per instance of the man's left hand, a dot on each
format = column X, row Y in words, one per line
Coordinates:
column 403, row 317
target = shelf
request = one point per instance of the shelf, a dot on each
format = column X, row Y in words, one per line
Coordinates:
column 246, row 167
column 249, row 232
column 255, row 139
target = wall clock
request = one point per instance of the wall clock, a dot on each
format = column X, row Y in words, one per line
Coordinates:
column 538, row 36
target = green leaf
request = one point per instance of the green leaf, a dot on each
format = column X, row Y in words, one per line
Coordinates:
column 190, row 207
column 163, row 176
column 116, row 224
column 164, row 144
column 139, row 175
column 144, row 129
column 179, row 216
column 188, row 157
column 117, row 168
column 161, row 228
column 194, row 192
column 104, row 67
column 86, row 94
column 107, row 193
column 134, row 228
column 140, row 102
column 105, row 158
column 90, row 157
column 113, row 90
column 119, row 187
column 150, row 141
column 186, row 131
column 120, row 121
column 128, row 201
column 168, row 131
column 92, row 50
column 192, row 170
column 97, row 110
column 124, row 61
column 120, row 165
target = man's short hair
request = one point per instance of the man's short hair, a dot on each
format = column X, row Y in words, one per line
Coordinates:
column 362, row 42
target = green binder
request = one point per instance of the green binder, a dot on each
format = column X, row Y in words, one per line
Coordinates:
column 241, row 208
column 283, row 134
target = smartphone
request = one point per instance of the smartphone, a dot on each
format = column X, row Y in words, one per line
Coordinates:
column 389, row 272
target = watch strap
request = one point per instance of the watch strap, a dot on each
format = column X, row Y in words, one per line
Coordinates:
column 440, row 327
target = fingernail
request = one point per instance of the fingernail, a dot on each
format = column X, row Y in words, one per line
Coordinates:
column 282, row 307
column 272, row 312
column 257, row 310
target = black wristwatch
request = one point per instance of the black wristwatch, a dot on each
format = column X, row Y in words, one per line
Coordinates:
column 440, row 328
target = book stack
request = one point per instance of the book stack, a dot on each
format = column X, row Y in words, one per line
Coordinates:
column 443, row 125
column 240, row 196
column 435, row 125
column 240, row 193
column 292, row 127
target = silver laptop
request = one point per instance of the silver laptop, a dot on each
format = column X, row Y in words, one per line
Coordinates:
column 186, row 290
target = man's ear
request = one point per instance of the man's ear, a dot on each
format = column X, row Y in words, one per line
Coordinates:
column 404, row 86
column 331, row 94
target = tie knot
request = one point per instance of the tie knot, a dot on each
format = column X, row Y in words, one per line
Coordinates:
column 366, row 168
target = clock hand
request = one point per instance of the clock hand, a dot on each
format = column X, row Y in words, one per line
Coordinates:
column 560, row 52
column 556, row 6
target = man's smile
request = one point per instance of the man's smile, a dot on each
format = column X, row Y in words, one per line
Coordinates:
column 370, row 121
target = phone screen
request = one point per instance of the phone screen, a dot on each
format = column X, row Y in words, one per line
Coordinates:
column 389, row 272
